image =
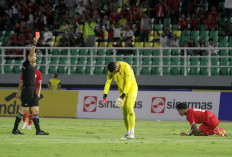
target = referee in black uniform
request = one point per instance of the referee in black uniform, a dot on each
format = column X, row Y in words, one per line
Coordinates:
column 29, row 97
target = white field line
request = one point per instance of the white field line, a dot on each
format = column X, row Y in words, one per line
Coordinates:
column 42, row 141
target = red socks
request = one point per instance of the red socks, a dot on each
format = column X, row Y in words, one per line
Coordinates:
column 25, row 118
column 30, row 118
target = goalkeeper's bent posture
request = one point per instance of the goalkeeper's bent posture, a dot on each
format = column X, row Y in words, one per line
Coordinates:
column 123, row 75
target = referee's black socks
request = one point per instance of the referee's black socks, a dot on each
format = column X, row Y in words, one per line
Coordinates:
column 18, row 118
column 35, row 119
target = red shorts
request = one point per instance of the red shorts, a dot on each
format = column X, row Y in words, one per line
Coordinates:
column 210, row 125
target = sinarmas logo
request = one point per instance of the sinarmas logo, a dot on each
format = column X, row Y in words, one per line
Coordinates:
column 10, row 106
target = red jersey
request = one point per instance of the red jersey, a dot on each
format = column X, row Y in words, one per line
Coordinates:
column 38, row 77
column 198, row 116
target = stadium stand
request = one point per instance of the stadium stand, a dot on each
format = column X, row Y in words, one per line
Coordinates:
column 148, row 57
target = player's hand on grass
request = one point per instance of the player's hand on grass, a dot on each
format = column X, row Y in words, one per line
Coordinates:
column 183, row 134
column 119, row 102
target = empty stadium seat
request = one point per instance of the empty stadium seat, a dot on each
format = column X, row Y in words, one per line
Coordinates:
column 8, row 69
column 194, row 34
column 194, row 71
column 156, row 61
column 204, row 71
column 42, row 69
column 101, row 52
column 56, row 52
column 83, row 52
column 52, row 69
column 17, row 69
column 146, row 70
column 98, row 70
column 155, row 71
column 147, row 52
column 87, row 70
column 108, row 59
column 185, row 33
column 214, row 71
column 73, row 70
column 147, row 60
column 166, row 71
column 80, row 70
column 100, row 61
column 74, row 52
column 156, row 52
column 175, row 71
column 62, row 70
column 166, row 52
column 129, row 60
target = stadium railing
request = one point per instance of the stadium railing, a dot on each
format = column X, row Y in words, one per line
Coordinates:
column 98, row 57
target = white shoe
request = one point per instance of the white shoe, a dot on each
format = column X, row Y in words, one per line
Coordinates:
column 23, row 125
column 128, row 137
column 29, row 127
column 131, row 137
column 125, row 137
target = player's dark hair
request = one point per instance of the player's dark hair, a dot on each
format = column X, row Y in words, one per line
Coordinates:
column 111, row 66
column 181, row 106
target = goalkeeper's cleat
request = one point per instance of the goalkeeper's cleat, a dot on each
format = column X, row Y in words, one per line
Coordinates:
column 23, row 125
column 17, row 132
column 29, row 127
column 125, row 137
column 218, row 132
column 131, row 136
column 222, row 130
column 41, row 132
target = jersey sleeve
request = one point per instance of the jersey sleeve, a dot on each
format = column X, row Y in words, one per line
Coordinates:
column 39, row 76
column 190, row 116
column 21, row 77
column 26, row 63
column 108, row 82
column 128, row 76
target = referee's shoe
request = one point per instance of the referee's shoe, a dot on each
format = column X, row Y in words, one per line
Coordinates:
column 17, row 132
column 41, row 132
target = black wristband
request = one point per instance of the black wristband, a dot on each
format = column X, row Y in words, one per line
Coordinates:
column 34, row 44
column 104, row 96
column 123, row 95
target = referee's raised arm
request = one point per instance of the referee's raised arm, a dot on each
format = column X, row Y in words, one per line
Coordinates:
column 32, row 52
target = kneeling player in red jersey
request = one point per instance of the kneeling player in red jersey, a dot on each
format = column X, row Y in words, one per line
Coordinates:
column 207, row 119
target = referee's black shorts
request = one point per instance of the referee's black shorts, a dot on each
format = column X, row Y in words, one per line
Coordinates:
column 29, row 97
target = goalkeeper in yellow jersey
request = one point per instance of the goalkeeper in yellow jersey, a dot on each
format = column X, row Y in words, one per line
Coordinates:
column 123, row 75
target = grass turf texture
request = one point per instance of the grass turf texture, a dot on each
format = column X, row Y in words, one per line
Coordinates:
column 86, row 137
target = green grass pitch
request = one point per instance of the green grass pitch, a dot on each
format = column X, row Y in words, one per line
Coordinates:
column 102, row 138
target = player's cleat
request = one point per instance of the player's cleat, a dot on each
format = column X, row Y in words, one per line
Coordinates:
column 131, row 137
column 218, row 132
column 23, row 125
column 41, row 132
column 126, row 137
column 222, row 130
column 17, row 132
column 29, row 127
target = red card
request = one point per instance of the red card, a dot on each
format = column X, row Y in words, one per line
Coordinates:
column 37, row 35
